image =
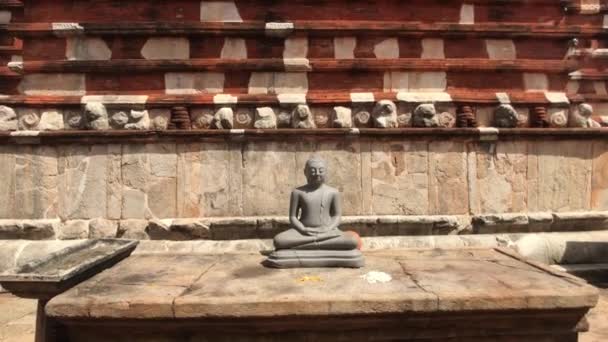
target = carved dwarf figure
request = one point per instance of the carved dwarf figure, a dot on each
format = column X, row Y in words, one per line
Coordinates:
column 315, row 239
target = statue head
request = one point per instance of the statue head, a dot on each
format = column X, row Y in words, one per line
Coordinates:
column 315, row 171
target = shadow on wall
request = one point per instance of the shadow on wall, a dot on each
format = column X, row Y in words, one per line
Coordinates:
column 585, row 252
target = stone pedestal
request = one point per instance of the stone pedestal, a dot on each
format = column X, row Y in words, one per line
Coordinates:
column 415, row 295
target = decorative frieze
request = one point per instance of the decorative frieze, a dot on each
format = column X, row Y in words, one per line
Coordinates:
column 97, row 115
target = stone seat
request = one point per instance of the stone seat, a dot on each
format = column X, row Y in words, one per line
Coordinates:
column 406, row 295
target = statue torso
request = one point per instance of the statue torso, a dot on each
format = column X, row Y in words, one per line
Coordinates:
column 316, row 205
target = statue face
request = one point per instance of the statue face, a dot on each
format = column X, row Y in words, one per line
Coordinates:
column 316, row 172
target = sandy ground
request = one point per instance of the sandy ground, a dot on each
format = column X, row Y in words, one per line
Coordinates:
column 18, row 317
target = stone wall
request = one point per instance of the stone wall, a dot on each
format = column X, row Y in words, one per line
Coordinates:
column 378, row 177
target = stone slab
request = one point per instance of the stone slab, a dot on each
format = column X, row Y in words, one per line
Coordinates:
column 233, row 286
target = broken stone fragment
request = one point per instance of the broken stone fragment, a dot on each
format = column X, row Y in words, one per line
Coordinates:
column 73, row 230
column 51, row 120
column 139, row 120
column 119, row 119
column 425, row 115
column 224, row 118
column 505, row 116
column 133, row 229
column 446, row 120
column 284, row 119
column 159, row 119
column 178, row 230
column 28, row 229
column 96, row 116
column 302, row 117
column 74, row 119
column 265, row 118
column 8, row 119
column 342, row 117
column 385, row 114
column 202, row 118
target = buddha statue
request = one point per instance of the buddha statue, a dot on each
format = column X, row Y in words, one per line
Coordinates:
column 314, row 239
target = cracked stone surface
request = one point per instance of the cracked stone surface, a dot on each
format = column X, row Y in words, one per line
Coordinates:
column 236, row 285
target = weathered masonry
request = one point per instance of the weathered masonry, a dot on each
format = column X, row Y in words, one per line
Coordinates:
column 166, row 119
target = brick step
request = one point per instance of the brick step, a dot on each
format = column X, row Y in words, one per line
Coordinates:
column 241, row 10
column 297, row 64
column 351, row 47
column 309, row 27
column 329, row 98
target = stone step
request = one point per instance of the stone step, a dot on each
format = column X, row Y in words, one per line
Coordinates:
column 133, row 66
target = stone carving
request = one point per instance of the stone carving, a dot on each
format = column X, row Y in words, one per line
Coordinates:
column 136, row 120
column 505, row 116
column 315, row 239
column 404, row 120
column 139, row 120
column 159, row 119
column 96, row 116
column 362, row 117
column 8, row 119
column 342, row 117
column 119, row 119
column 51, row 120
column 74, row 119
column 425, row 115
column 581, row 117
column 243, row 117
column 202, row 118
column 558, row 118
column 180, row 118
column 284, row 119
column 385, row 114
column 302, row 117
column 446, row 120
column 224, row 118
column 29, row 119
column 265, row 118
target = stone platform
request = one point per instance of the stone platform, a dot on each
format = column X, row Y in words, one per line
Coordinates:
column 414, row 295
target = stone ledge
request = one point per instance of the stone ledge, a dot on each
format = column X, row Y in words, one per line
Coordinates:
column 145, row 137
column 265, row 227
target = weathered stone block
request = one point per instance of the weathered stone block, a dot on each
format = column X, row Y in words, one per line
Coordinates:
column 53, row 85
column 400, row 182
column 7, row 185
column 223, row 11
column 499, row 223
column 133, row 229
column 166, row 48
column 28, row 229
column 501, row 171
column 233, row 227
column 102, row 229
column 185, row 83
column 36, row 183
column 448, row 188
column 8, row 119
column 263, row 179
column 178, row 230
column 580, row 221
column 87, row 49
column 83, row 180
column 562, row 170
column 73, row 230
